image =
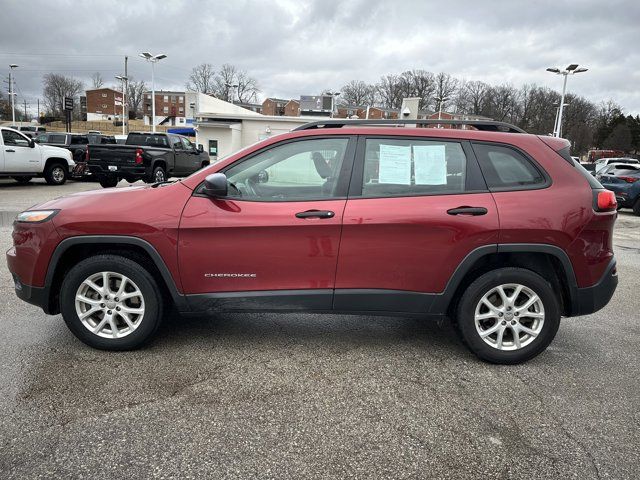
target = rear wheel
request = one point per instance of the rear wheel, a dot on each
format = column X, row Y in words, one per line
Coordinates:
column 56, row 174
column 22, row 178
column 108, row 182
column 159, row 175
column 111, row 302
column 508, row 315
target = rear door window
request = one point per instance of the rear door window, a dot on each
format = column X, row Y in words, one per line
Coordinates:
column 407, row 167
column 58, row 139
column 505, row 168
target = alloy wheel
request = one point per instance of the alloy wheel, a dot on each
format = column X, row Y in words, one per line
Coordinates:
column 509, row 316
column 109, row 305
column 57, row 173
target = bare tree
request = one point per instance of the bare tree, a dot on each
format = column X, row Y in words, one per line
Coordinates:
column 56, row 88
column 445, row 89
column 135, row 96
column 96, row 80
column 202, row 79
column 389, row 91
column 247, row 88
column 357, row 92
column 418, row 83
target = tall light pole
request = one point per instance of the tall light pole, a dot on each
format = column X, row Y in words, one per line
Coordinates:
column 333, row 101
column 153, row 59
column 123, row 79
column 555, row 125
column 440, row 101
column 12, row 93
column 232, row 86
column 570, row 70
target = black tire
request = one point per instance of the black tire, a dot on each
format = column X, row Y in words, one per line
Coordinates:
column 108, row 182
column 470, row 299
column 56, row 174
column 636, row 207
column 22, row 179
column 151, row 294
column 158, row 175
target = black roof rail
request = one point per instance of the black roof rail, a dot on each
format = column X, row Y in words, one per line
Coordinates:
column 484, row 125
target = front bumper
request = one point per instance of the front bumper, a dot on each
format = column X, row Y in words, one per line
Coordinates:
column 591, row 299
column 38, row 296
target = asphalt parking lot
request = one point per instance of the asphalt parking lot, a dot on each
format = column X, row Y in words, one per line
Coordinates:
column 307, row 396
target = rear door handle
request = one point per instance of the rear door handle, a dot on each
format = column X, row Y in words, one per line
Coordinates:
column 316, row 214
column 468, row 211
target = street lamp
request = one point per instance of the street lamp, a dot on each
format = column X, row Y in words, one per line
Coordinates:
column 153, row 59
column 12, row 93
column 123, row 79
column 232, row 86
column 570, row 70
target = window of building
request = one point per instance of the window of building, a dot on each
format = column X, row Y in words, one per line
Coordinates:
column 505, row 167
column 181, row 99
column 213, row 148
column 148, row 97
column 302, row 170
column 104, row 95
column 412, row 167
column 104, row 105
column 166, row 98
column 165, row 109
column 181, row 109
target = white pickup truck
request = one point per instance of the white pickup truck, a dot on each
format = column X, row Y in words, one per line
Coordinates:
column 22, row 159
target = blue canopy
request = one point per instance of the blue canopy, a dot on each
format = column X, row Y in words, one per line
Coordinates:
column 188, row 132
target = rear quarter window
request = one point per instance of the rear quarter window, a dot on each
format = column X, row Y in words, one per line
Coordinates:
column 507, row 168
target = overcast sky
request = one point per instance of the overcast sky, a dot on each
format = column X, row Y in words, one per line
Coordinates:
column 296, row 47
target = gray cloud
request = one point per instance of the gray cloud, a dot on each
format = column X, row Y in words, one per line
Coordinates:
column 295, row 47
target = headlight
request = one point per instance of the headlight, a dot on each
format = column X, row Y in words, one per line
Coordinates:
column 36, row 216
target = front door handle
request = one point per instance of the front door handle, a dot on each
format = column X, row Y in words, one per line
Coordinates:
column 9, row 150
column 468, row 211
column 316, row 214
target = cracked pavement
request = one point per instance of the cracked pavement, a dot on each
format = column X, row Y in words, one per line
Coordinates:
column 313, row 396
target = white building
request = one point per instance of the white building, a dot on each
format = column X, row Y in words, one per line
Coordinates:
column 223, row 128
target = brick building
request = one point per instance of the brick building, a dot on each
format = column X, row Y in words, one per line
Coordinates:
column 274, row 106
column 376, row 113
column 292, row 108
column 103, row 104
column 170, row 108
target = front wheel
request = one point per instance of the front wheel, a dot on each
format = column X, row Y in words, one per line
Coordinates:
column 111, row 302
column 508, row 315
column 636, row 207
column 56, row 174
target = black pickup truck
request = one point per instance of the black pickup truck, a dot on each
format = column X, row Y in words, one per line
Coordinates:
column 152, row 157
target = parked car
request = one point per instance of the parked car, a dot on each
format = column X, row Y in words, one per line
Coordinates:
column 23, row 159
column 624, row 181
column 152, row 157
column 616, row 168
column 502, row 232
column 32, row 130
column 603, row 162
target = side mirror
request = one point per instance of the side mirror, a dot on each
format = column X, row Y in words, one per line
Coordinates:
column 215, row 185
column 32, row 143
column 200, row 148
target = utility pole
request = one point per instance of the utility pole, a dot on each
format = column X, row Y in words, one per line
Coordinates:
column 25, row 111
column 38, row 110
column 570, row 70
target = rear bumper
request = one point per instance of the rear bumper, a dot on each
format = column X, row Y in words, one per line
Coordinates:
column 591, row 299
column 123, row 171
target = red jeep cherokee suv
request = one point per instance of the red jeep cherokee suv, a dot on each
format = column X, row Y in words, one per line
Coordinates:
column 497, row 229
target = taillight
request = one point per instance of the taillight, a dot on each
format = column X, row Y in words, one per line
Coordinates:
column 138, row 155
column 86, row 155
column 629, row 179
column 606, row 201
